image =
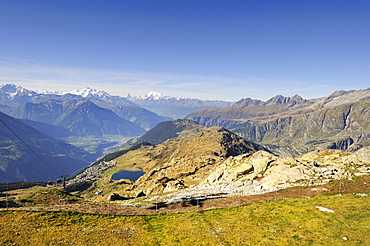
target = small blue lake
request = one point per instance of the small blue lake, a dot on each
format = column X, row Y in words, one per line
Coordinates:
column 125, row 174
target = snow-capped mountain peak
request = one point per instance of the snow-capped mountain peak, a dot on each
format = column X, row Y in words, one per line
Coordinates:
column 12, row 90
column 87, row 92
column 152, row 95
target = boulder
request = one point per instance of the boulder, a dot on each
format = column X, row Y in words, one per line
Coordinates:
column 261, row 161
column 114, row 197
column 174, row 185
column 287, row 175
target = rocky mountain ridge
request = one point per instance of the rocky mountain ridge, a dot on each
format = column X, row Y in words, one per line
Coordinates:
column 167, row 130
column 292, row 126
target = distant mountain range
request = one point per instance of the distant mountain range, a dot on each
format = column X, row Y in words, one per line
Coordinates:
column 176, row 108
column 84, row 113
column 79, row 114
column 62, row 108
column 293, row 125
column 288, row 126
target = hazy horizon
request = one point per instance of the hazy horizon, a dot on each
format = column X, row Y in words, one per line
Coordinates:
column 211, row 50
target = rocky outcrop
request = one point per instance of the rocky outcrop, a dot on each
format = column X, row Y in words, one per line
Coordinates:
column 251, row 173
column 285, row 100
column 189, row 160
column 271, row 171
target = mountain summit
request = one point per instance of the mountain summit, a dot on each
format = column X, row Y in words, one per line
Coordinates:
column 89, row 92
column 9, row 91
column 152, row 95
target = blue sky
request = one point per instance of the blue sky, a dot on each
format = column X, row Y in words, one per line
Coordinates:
column 208, row 49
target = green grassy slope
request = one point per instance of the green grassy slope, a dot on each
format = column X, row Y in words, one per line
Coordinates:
column 293, row 221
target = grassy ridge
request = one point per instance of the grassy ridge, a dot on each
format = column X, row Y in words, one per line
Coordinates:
column 20, row 185
column 285, row 222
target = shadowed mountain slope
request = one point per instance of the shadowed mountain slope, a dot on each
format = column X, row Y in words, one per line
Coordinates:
column 19, row 162
column 55, row 107
column 50, row 130
column 86, row 118
column 137, row 115
column 167, row 130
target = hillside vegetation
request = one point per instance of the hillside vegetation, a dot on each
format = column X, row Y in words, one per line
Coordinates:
column 295, row 221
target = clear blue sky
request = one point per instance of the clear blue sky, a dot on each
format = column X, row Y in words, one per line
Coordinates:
column 208, row 49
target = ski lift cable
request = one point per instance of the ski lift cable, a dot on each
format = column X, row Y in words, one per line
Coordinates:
column 24, row 162
column 17, row 156
column 25, row 126
column 30, row 148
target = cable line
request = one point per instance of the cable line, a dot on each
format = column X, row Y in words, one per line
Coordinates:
column 5, row 134
column 24, row 162
column 25, row 125
column 29, row 148
column 26, row 128
column 8, row 107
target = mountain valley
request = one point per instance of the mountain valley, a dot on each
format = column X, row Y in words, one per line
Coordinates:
column 286, row 126
column 89, row 119
column 303, row 156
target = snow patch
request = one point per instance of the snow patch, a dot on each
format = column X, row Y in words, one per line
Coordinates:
column 152, row 95
column 46, row 92
column 324, row 209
